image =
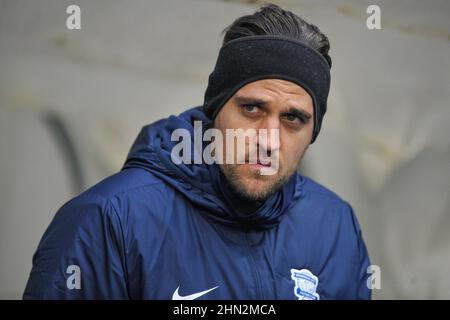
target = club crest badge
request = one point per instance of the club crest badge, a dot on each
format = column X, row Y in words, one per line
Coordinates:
column 305, row 284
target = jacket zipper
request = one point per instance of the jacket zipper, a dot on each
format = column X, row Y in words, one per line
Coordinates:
column 259, row 291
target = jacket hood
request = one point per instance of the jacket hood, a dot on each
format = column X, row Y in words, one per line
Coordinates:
column 202, row 184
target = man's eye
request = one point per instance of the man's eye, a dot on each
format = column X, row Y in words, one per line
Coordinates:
column 295, row 119
column 291, row 117
column 250, row 108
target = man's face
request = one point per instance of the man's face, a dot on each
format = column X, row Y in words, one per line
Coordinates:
column 267, row 104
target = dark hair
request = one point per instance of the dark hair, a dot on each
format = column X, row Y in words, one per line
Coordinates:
column 273, row 20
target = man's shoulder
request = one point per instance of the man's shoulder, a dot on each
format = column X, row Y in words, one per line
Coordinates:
column 124, row 183
column 317, row 191
column 119, row 191
column 322, row 204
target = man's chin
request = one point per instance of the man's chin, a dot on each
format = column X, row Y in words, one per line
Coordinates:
column 257, row 194
column 249, row 183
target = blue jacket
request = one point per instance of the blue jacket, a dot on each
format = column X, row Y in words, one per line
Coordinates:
column 157, row 230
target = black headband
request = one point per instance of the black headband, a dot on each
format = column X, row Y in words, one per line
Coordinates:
column 253, row 58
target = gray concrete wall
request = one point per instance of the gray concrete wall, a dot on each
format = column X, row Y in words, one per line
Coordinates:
column 384, row 146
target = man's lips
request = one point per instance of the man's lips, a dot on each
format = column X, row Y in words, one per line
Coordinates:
column 259, row 163
column 265, row 163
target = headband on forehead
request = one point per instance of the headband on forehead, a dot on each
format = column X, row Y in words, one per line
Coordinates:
column 253, row 58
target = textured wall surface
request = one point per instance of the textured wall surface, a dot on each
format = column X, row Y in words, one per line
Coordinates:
column 72, row 102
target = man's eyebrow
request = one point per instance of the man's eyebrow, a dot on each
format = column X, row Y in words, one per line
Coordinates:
column 249, row 100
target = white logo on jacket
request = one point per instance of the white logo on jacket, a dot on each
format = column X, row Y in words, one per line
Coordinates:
column 305, row 284
column 177, row 296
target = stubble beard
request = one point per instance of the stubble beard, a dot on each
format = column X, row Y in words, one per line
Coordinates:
column 251, row 185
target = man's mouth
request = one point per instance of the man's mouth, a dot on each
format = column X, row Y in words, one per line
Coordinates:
column 260, row 163
column 264, row 163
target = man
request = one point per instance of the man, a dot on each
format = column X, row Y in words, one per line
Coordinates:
column 175, row 225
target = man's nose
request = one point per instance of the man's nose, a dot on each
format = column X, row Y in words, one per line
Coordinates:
column 269, row 134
